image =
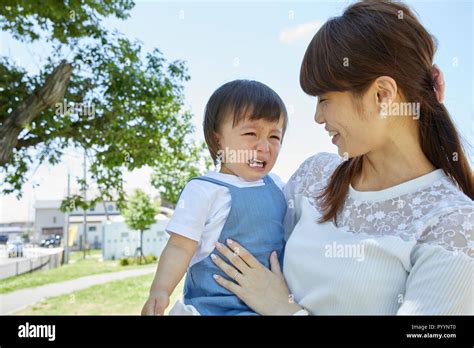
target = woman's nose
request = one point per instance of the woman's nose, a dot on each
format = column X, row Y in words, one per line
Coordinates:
column 318, row 117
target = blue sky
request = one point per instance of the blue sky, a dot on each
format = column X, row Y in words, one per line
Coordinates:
column 265, row 41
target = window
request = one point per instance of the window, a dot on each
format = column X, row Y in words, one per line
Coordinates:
column 92, row 209
column 92, row 228
column 110, row 207
column 54, row 219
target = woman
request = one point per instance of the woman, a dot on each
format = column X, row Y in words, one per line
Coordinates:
column 387, row 229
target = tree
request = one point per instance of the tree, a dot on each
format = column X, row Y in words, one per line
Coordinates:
column 171, row 175
column 139, row 213
column 98, row 91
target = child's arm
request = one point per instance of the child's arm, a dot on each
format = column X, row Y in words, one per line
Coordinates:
column 172, row 265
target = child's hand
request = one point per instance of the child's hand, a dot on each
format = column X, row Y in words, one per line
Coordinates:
column 156, row 304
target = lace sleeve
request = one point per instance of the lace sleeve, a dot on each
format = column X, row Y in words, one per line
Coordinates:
column 304, row 182
column 453, row 231
column 314, row 172
column 440, row 281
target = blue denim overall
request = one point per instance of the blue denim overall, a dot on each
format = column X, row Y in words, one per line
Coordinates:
column 255, row 221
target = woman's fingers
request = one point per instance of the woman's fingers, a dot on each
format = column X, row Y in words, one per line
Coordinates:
column 249, row 259
column 231, row 286
column 228, row 269
column 234, row 256
column 274, row 264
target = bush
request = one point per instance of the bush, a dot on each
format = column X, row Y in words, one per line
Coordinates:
column 127, row 261
column 150, row 258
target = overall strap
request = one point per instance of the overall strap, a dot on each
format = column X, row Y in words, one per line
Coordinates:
column 268, row 180
column 203, row 178
column 215, row 181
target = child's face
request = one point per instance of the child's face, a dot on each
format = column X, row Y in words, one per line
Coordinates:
column 250, row 149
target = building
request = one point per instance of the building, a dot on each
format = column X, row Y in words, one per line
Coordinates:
column 120, row 241
column 15, row 230
column 103, row 222
column 50, row 221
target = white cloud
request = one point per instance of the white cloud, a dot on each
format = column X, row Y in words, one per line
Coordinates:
column 300, row 32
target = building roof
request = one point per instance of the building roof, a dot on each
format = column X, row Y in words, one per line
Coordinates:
column 48, row 204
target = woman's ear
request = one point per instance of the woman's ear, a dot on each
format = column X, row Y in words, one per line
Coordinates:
column 386, row 89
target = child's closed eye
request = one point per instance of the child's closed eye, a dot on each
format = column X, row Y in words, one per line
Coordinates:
column 250, row 133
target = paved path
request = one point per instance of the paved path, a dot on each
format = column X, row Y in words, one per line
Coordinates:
column 16, row 300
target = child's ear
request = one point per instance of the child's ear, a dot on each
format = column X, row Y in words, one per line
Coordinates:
column 217, row 139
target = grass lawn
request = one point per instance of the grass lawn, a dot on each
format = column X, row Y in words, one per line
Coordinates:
column 77, row 267
column 120, row 297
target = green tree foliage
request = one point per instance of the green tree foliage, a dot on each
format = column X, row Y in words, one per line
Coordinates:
column 99, row 92
column 139, row 213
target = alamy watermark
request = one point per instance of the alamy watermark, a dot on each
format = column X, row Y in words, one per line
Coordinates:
column 236, row 156
column 37, row 331
column 400, row 109
column 336, row 250
column 82, row 109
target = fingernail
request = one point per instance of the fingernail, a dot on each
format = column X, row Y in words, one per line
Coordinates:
column 229, row 241
column 213, row 256
column 215, row 276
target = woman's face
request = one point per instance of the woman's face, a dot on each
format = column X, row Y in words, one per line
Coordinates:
column 355, row 126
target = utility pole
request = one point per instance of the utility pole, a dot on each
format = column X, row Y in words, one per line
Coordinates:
column 66, row 232
column 84, row 219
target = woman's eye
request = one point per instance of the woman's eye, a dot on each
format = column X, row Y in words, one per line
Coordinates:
column 276, row 137
column 252, row 134
column 321, row 100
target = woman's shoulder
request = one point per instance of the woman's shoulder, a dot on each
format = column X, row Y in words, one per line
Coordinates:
column 452, row 229
column 448, row 217
column 314, row 171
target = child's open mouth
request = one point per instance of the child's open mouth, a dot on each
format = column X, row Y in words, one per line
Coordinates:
column 255, row 163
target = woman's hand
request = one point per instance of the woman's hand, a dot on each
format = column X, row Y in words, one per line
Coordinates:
column 262, row 289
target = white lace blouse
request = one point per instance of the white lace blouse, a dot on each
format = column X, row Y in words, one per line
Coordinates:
column 403, row 250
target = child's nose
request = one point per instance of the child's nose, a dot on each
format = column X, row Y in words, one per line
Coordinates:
column 263, row 145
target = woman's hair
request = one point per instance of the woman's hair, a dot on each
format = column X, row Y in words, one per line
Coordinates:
column 240, row 99
column 373, row 39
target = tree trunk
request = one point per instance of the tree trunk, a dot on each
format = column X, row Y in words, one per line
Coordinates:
column 141, row 247
column 42, row 98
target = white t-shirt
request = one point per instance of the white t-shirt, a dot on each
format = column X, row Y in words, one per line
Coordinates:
column 203, row 207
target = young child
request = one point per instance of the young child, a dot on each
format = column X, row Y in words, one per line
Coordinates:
column 244, row 126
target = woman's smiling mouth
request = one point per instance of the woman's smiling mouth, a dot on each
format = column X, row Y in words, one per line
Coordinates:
column 334, row 135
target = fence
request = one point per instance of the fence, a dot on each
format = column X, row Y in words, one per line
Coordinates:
column 36, row 259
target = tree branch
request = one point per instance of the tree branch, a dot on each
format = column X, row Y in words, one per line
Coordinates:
column 42, row 98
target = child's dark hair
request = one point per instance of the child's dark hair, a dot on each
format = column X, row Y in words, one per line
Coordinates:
column 241, row 99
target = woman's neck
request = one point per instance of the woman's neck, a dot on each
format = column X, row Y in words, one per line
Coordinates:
column 394, row 164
